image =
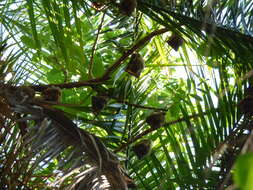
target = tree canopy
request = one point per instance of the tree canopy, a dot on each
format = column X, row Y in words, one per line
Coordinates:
column 126, row 94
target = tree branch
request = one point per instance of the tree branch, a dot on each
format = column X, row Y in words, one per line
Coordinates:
column 110, row 70
column 137, row 46
column 94, row 47
column 141, row 106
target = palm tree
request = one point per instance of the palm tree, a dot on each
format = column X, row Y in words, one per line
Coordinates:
column 79, row 111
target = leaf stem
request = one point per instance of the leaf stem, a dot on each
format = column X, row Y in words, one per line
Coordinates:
column 94, row 47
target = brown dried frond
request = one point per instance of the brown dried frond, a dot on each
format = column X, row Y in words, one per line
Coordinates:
column 5, row 110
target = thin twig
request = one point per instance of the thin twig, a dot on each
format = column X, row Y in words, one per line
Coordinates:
column 150, row 130
column 141, row 106
column 41, row 101
column 94, row 47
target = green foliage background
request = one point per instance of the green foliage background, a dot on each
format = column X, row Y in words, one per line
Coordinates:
column 57, row 42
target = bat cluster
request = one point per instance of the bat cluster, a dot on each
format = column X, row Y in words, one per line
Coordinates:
column 97, row 5
column 246, row 104
column 156, row 119
column 142, row 148
column 135, row 65
column 52, row 94
column 24, row 94
column 127, row 7
column 18, row 95
column 175, row 41
column 98, row 103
